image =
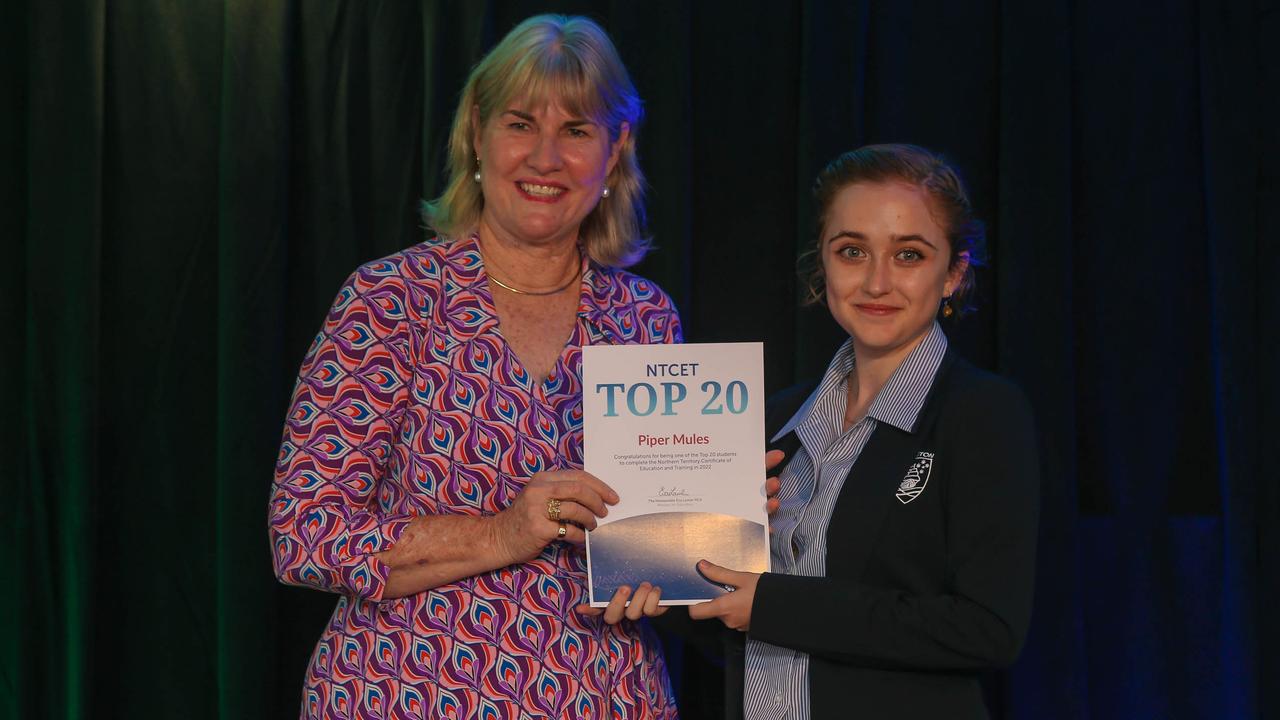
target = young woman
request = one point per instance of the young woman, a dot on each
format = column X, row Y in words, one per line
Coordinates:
column 904, row 546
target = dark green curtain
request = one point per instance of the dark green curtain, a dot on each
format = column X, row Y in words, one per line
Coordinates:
column 186, row 183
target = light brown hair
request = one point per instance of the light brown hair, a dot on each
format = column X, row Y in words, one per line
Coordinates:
column 947, row 197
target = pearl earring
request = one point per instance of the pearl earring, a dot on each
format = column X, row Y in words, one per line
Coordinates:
column 476, row 176
column 605, row 194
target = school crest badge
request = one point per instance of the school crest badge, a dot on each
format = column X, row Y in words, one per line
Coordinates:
column 917, row 477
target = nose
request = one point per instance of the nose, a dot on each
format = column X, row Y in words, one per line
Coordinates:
column 545, row 156
column 876, row 282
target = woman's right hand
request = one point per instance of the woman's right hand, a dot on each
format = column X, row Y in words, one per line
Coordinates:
column 525, row 528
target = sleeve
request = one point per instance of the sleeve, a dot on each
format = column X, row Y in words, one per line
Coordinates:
column 352, row 389
column 981, row 622
column 674, row 333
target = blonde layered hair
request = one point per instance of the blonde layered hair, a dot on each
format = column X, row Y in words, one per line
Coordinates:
column 571, row 61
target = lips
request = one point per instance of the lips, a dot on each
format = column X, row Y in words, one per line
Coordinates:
column 876, row 310
column 541, row 191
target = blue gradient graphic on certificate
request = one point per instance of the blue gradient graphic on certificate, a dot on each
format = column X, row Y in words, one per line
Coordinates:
column 678, row 432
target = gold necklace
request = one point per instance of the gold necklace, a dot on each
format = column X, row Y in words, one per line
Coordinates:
column 540, row 293
column 518, row 291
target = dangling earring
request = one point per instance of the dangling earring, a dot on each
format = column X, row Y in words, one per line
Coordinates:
column 946, row 308
column 476, row 177
column 605, row 193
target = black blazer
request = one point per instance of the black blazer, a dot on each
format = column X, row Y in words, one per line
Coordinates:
column 921, row 596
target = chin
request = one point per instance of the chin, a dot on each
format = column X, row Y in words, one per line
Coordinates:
column 886, row 340
column 876, row 342
column 540, row 232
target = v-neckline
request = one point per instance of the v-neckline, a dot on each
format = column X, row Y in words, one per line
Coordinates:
column 534, row 385
column 538, row 385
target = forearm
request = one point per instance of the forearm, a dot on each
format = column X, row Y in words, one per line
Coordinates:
column 436, row 550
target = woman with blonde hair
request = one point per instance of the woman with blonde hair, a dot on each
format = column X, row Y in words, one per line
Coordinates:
column 430, row 473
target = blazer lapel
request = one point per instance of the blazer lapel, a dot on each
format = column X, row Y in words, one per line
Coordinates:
column 865, row 499
column 870, row 488
column 789, row 444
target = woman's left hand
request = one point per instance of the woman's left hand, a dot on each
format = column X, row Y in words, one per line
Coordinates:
column 733, row 608
column 643, row 604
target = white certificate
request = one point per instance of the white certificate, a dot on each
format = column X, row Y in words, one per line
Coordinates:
column 678, row 432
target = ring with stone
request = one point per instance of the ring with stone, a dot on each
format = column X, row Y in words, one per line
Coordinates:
column 553, row 509
column 562, row 531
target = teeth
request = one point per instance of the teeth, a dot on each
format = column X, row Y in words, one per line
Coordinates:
column 546, row 190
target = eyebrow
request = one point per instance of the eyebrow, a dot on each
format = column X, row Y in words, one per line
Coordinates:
column 576, row 122
column 854, row 235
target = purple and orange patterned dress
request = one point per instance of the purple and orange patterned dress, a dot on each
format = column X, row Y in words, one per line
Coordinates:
column 409, row 403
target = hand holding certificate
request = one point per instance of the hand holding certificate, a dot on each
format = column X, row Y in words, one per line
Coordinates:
column 678, row 432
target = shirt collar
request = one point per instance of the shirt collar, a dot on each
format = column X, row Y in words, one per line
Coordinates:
column 902, row 397
column 606, row 304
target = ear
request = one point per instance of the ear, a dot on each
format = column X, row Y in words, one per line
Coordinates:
column 956, row 274
column 615, row 151
column 476, row 133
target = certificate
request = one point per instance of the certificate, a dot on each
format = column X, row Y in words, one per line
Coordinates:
column 678, row 432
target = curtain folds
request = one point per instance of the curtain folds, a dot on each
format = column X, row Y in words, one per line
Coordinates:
column 188, row 182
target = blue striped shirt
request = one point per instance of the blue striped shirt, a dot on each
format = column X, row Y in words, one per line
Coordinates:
column 777, row 678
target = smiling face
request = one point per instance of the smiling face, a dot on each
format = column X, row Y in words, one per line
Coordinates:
column 543, row 170
column 887, row 265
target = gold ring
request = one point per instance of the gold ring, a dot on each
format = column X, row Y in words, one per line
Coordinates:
column 553, row 510
column 562, row 531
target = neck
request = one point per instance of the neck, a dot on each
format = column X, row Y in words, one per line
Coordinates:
column 533, row 267
column 871, row 372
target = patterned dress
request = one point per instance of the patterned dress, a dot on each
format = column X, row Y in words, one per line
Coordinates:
column 409, row 403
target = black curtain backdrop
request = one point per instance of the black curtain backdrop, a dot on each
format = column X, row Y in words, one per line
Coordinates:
column 186, row 183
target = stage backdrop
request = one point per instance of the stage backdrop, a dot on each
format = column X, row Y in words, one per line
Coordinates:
column 186, row 183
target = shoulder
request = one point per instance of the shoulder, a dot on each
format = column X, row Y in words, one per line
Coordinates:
column 623, row 287
column 637, row 309
column 390, row 291
column 981, row 410
column 972, row 391
column 420, row 271
column 424, row 261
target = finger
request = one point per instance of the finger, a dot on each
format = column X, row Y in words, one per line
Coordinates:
column 772, row 486
column 586, row 610
column 706, row 610
column 771, row 505
column 588, row 480
column 652, row 608
column 636, row 609
column 573, row 512
column 572, row 534
column 617, row 605
column 772, row 458
column 582, row 493
column 717, row 574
